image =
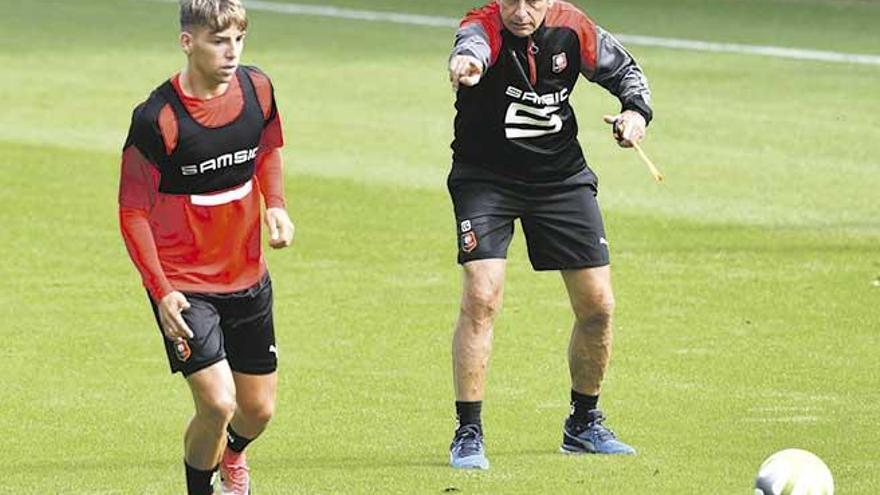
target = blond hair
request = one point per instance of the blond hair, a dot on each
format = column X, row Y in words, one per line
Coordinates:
column 216, row 15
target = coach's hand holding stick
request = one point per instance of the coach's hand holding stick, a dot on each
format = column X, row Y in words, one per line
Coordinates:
column 629, row 128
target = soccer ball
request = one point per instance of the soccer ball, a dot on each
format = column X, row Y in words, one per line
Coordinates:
column 794, row 472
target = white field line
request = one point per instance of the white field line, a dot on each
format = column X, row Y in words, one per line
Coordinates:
column 630, row 39
column 768, row 51
column 343, row 13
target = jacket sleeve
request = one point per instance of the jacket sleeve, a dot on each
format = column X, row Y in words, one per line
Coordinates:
column 614, row 69
column 606, row 62
column 479, row 35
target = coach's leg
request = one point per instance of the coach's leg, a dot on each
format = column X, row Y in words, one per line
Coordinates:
column 482, row 292
column 213, row 391
column 589, row 350
column 588, row 354
column 255, row 396
column 482, row 288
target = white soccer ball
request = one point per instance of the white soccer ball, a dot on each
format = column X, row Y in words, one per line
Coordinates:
column 794, row 472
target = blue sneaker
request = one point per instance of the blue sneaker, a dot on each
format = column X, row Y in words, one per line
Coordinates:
column 466, row 451
column 592, row 438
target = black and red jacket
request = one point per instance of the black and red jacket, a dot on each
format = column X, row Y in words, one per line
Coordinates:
column 517, row 120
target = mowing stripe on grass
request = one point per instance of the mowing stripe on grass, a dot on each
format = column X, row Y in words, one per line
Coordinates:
column 632, row 39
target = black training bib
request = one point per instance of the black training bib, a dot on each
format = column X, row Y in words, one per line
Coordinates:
column 210, row 159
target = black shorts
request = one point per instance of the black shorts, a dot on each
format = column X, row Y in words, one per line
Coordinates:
column 236, row 326
column 561, row 219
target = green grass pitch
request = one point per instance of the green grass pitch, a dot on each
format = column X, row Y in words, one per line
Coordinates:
column 747, row 285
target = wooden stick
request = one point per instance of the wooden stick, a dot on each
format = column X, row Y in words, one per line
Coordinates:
column 611, row 119
column 656, row 173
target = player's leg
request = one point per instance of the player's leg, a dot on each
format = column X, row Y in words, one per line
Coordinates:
column 202, row 361
column 249, row 331
column 213, row 391
column 255, row 399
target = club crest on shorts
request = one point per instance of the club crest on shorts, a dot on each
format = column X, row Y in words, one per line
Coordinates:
column 182, row 350
column 560, row 62
column 468, row 241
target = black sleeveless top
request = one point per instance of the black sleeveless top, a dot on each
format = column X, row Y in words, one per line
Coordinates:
column 206, row 159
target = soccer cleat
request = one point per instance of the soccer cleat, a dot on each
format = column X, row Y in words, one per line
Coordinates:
column 466, row 451
column 234, row 474
column 592, row 438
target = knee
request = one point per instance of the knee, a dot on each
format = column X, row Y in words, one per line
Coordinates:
column 217, row 410
column 260, row 412
column 595, row 312
column 481, row 304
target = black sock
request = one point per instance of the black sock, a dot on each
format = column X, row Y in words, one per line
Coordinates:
column 468, row 413
column 581, row 404
column 234, row 441
column 198, row 482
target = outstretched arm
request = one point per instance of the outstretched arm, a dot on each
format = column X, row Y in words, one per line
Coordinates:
column 477, row 43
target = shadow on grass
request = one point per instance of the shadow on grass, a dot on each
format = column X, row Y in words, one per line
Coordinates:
column 436, row 460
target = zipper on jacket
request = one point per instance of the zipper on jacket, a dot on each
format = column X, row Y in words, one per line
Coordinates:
column 531, row 51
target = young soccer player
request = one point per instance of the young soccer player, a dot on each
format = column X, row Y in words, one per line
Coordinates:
column 202, row 151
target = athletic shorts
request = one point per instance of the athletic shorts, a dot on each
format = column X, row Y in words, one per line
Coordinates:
column 561, row 220
column 236, row 326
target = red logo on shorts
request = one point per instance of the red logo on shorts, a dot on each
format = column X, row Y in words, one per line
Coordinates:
column 468, row 241
column 560, row 62
column 182, row 350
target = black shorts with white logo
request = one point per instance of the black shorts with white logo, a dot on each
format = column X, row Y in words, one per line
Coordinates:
column 236, row 326
column 561, row 220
